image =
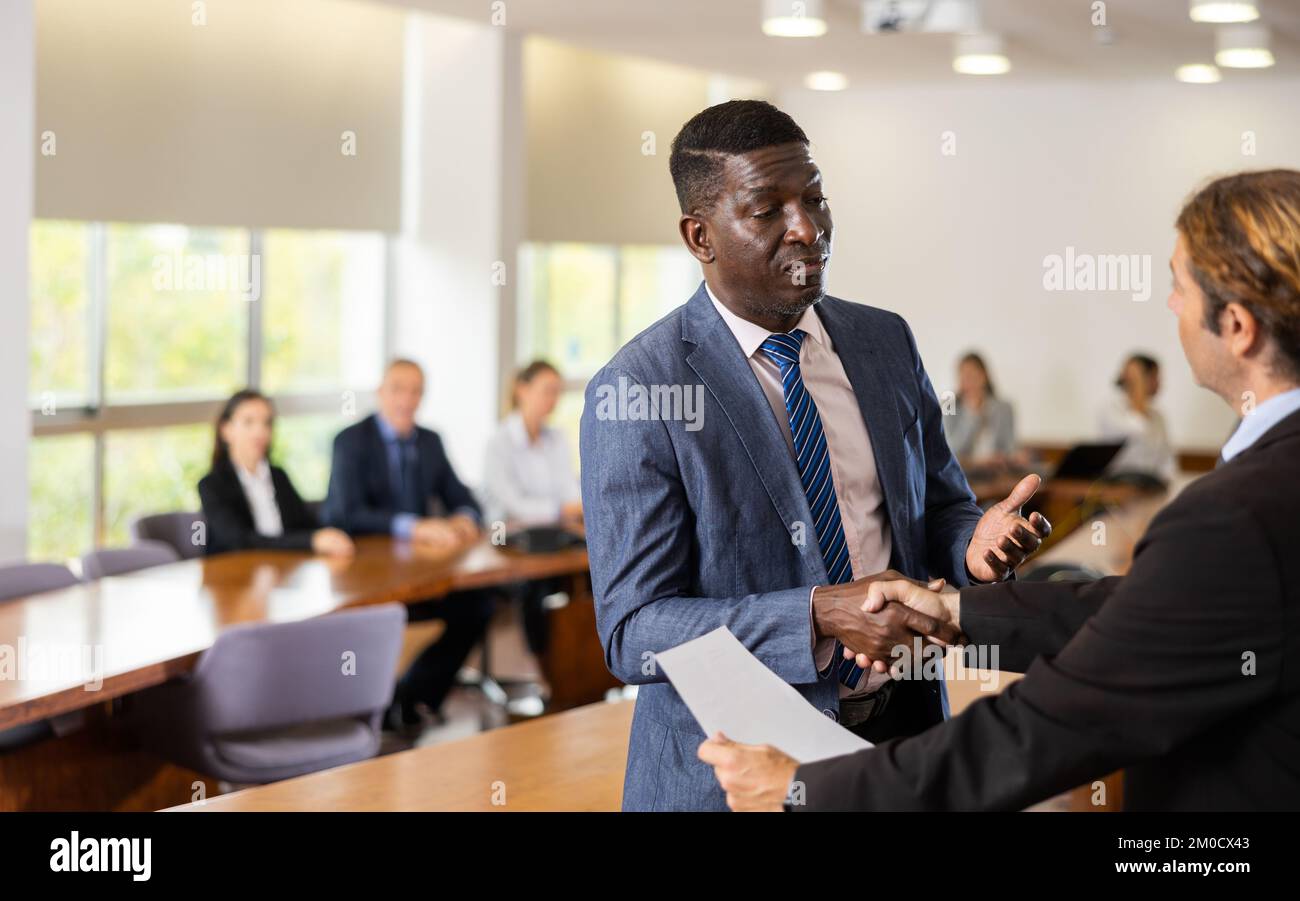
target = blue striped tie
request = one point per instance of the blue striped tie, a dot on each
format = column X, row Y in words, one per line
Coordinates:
column 814, row 460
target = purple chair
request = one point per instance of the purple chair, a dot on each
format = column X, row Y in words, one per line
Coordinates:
column 17, row 581
column 175, row 529
column 119, row 560
column 22, row 579
column 273, row 700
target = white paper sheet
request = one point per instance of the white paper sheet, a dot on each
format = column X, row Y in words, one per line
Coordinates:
column 729, row 690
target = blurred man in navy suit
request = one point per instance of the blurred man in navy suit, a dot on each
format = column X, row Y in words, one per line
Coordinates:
column 392, row 477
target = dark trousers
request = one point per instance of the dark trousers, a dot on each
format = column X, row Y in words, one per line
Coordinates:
column 536, row 621
column 432, row 674
column 913, row 707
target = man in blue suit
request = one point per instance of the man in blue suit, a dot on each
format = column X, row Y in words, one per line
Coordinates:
column 392, row 477
column 761, row 454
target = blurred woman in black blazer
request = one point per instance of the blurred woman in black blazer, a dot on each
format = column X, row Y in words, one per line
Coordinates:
column 248, row 503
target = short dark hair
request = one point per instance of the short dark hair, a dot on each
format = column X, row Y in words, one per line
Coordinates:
column 1150, row 365
column 727, row 129
column 1147, row 363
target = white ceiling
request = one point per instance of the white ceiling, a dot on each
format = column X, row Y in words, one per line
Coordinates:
column 1045, row 39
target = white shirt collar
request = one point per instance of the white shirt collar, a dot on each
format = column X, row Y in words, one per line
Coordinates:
column 259, row 476
column 751, row 336
column 518, row 432
column 1260, row 420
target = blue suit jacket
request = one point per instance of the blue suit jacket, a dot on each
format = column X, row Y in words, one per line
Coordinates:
column 689, row 530
column 361, row 500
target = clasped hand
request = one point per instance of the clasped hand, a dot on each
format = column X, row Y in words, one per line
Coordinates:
column 877, row 613
column 871, row 617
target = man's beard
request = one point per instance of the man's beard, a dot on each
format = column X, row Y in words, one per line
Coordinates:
column 769, row 307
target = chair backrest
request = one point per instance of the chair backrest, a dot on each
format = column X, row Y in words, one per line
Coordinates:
column 118, row 560
column 29, row 578
column 175, row 529
column 268, row 675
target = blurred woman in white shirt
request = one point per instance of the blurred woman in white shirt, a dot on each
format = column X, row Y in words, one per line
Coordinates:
column 1131, row 417
column 529, row 471
column 530, row 479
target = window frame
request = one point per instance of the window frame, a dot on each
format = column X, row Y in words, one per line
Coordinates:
column 97, row 418
column 524, row 320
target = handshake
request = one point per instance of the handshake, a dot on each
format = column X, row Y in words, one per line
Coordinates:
column 872, row 616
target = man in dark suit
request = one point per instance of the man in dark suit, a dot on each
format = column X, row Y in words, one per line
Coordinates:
column 392, row 477
column 755, row 458
column 1179, row 672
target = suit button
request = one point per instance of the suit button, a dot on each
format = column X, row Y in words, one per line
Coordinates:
column 832, row 714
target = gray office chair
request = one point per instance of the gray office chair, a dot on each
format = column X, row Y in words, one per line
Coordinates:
column 17, row 581
column 22, row 579
column 176, row 529
column 116, row 561
column 269, row 701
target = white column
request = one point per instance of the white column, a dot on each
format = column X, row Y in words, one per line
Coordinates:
column 17, row 157
column 446, row 304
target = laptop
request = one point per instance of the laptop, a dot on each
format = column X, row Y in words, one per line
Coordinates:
column 543, row 540
column 1087, row 461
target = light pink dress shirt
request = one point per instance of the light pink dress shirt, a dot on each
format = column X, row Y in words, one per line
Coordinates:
column 853, row 466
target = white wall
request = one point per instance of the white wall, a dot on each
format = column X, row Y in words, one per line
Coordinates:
column 445, row 314
column 956, row 243
column 603, row 124
column 17, row 155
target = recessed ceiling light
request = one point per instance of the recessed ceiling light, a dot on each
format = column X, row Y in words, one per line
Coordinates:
column 1243, row 47
column 1220, row 11
column 979, row 54
column 793, row 18
column 1198, row 73
column 826, row 81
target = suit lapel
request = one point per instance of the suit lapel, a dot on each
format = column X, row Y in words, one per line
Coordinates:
column 878, row 404
column 235, row 490
column 723, row 369
column 379, row 451
column 424, row 474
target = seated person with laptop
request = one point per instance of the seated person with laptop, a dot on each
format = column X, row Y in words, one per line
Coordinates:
column 531, row 486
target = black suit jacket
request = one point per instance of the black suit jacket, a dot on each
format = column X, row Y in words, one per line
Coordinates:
column 1182, row 672
column 230, row 519
column 361, row 500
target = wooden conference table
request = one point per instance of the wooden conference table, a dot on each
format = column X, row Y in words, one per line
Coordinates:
column 571, row 761
column 151, row 625
column 126, row 633
column 574, row 761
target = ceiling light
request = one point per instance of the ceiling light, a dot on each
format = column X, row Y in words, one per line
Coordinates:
column 928, row 16
column 1243, row 47
column 793, row 18
column 979, row 54
column 1220, row 11
column 825, row 81
column 1198, row 73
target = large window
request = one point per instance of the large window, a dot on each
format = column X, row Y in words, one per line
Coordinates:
column 581, row 302
column 138, row 334
column 177, row 325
